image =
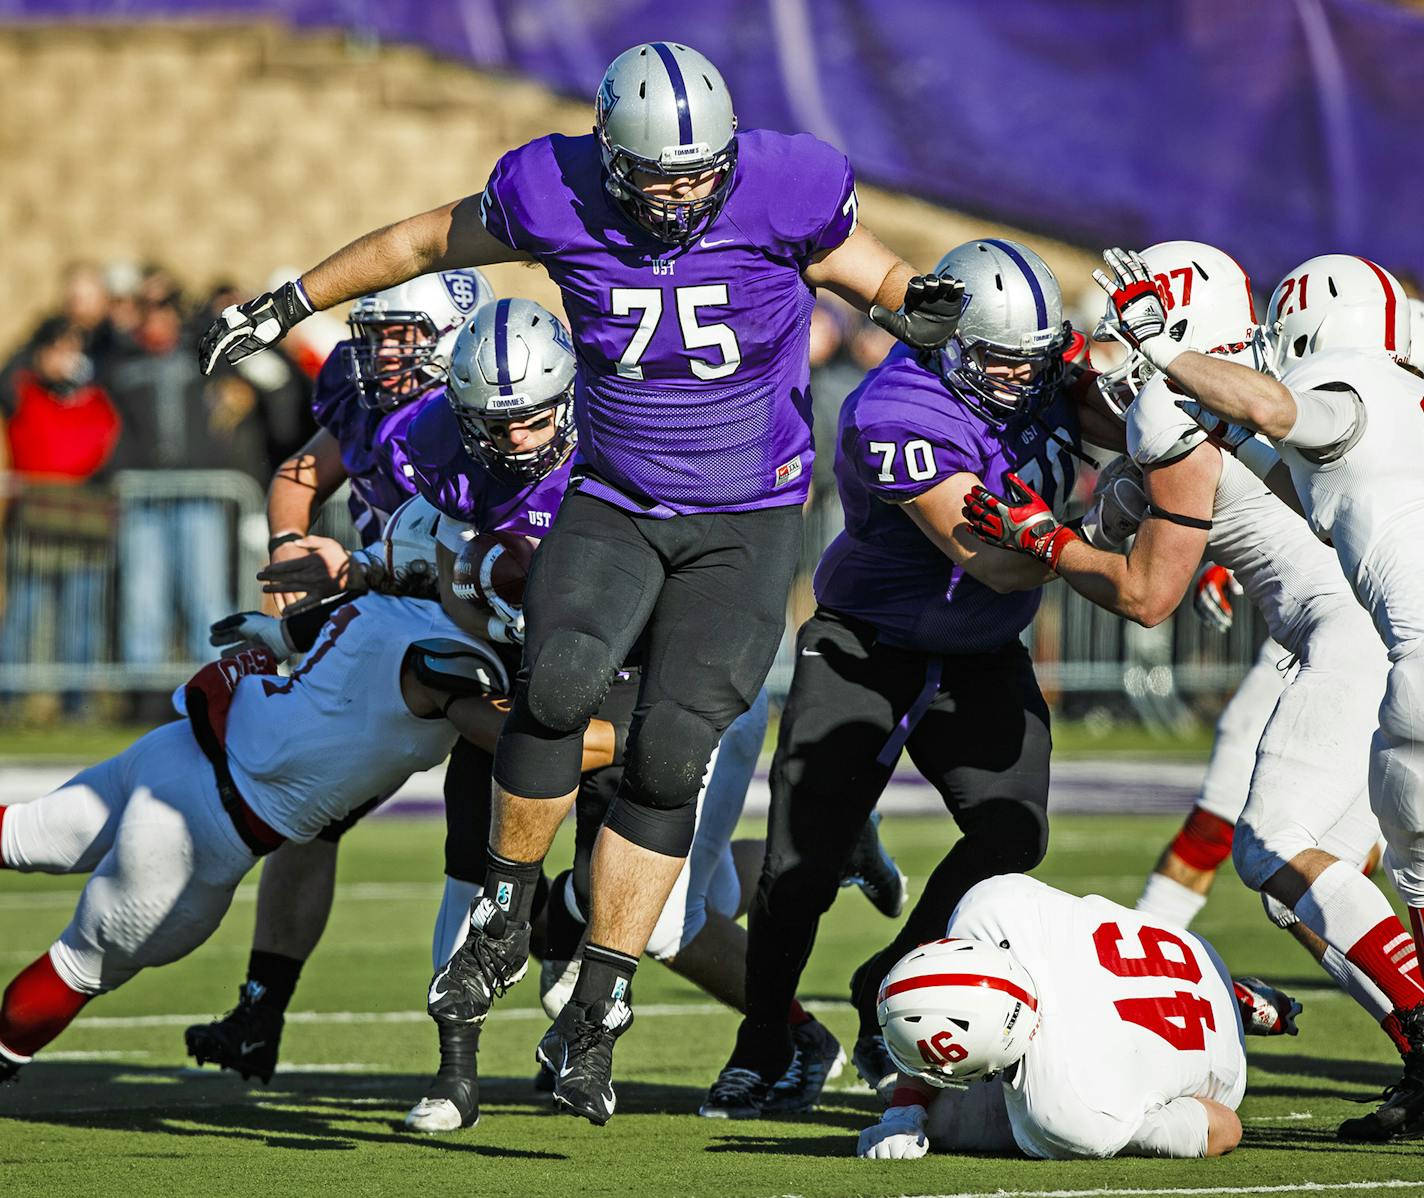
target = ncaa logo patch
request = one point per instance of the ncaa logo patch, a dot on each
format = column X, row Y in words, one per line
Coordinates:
column 503, row 893
column 462, row 289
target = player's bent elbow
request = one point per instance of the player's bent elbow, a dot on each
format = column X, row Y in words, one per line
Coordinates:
column 1223, row 1128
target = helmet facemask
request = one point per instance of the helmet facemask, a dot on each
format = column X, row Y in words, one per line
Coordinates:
column 675, row 221
column 394, row 358
column 1005, row 384
column 519, row 466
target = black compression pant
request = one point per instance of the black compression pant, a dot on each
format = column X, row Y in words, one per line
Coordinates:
column 707, row 596
column 981, row 739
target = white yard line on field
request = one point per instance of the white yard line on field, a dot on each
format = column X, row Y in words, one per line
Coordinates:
column 412, row 1016
column 351, row 892
column 1303, row 1187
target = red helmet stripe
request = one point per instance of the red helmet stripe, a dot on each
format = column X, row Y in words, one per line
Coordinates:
column 1389, row 303
column 1250, row 299
column 961, row 979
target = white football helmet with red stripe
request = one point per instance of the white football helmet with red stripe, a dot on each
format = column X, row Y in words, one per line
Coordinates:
column 1416, row 334
column 1207, row 298
column 1338, row 301
column 954, row 1011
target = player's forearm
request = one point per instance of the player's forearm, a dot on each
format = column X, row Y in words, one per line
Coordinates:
column 1110, row 581
column 891, row 292
column 293, row 496
column 1235, row 393
column 381, row 258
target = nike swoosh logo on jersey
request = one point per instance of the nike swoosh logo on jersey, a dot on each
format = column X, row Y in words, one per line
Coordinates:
column 725, row 241
column 251, row 1047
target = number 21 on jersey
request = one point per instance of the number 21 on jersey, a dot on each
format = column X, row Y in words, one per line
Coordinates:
column 1181, row 1018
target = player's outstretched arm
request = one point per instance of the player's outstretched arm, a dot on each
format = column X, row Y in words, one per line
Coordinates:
column 298, row 488
column 1147, row 585
column 441, row 239
column 939, row 515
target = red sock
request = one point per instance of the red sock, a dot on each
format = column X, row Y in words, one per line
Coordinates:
column 797, row 1015
column 37, row 1007
column 1386, row 955
column 1205, row 840
column 1395, row 1031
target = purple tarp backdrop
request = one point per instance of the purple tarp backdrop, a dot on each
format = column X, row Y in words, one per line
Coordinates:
column 1276, row 130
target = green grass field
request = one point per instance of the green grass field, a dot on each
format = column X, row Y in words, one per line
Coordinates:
column 111, row 1108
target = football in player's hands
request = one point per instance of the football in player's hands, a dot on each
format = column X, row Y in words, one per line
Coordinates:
column 492, row 569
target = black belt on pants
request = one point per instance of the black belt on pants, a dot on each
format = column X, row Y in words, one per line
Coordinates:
column 258, row 835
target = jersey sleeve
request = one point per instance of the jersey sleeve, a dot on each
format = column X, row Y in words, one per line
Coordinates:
column 1158, row 432
column 334, row 388
column 510, row 204
column 814, row 204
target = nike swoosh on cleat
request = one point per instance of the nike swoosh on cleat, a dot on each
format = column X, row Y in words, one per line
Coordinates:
column 810, row 653
column 253, row 1047
column 566, row 1068
column 436, row 995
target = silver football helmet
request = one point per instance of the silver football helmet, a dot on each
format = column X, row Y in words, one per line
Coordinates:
column 664, row 110
column 513, row 360
column 403, row 335
column 1006, row 357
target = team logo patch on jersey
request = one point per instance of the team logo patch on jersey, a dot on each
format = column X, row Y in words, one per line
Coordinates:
column 460, row 285
column 502, row 895
column 788, row 472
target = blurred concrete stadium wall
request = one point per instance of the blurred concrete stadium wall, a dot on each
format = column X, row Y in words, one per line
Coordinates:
column 119, row 144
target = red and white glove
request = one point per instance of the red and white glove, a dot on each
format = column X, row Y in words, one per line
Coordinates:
column 899, row 1136
column 1212, row 593
column 1265, row 1011
column 1141, row 316
column 1022, row 522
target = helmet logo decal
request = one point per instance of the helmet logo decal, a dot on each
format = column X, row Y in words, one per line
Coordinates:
column 462, row 289
column 607, row 97
column 679, row 91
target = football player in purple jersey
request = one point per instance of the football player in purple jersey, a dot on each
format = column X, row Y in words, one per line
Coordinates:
column 367, row 392
column 914, row 646
column 688, row 256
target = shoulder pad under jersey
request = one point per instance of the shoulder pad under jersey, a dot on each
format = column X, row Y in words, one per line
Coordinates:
column 1159, row 432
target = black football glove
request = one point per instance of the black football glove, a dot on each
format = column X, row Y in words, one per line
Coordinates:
column 245, row 329
column 930, row 314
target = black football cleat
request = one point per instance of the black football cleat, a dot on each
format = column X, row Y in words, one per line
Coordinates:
column 736, row 1094
column 873, row 1063
column 245, row 1040
column 494, row 956
column 1401, row 1115
column 873, row 869
column 579, row 1049
column 818, row 1058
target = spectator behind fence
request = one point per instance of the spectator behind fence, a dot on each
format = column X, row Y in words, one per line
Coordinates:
column 174, row 552
column 60, row 429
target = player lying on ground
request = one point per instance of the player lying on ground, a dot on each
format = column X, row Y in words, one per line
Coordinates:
column 1342, row 441
column 1062, row 1027
column 687, row 254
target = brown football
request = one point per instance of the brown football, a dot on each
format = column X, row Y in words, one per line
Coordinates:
column 493, row 563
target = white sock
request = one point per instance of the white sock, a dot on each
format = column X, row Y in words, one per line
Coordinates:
column 1342, row 906
column 1168, row 899
column 453, row 920
column 1354, row 983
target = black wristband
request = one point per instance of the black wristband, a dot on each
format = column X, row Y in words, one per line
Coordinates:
column 285, row 538
column 290, row 301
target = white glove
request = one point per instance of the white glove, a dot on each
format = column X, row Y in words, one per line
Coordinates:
column 252, row 627
column 1119, row 505
column 899, row 1136
column 244, row 329
column 1141, row 317
column 506, row 626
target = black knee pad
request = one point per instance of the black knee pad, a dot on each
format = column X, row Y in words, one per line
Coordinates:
column 1012, row 836
column 798, row 895
column 568, row 679
column 667, row 757
column 666, row 830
